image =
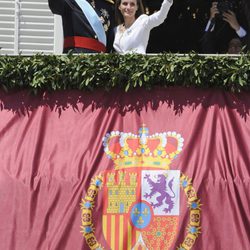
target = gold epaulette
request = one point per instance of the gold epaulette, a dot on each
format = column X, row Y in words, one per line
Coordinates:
column 110, row 1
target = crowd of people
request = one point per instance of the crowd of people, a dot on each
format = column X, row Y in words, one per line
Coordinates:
column 92, row 26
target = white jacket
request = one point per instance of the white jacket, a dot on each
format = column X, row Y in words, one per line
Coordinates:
column 135, row 38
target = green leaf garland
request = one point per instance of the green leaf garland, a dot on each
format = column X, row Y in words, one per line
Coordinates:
column 91, row 71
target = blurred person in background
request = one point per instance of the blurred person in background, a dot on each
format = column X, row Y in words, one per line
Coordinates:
column 235, row 46
column 223, row 29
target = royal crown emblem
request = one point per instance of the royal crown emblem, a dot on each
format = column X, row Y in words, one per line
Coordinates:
column 141, row 196
column 143, row 150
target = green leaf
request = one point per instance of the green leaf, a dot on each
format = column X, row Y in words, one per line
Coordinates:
column 88, row 72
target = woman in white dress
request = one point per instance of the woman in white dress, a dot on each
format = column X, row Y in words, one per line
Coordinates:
column 132, row 33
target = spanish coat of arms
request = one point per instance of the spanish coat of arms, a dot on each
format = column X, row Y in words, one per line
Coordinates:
column 141, row 196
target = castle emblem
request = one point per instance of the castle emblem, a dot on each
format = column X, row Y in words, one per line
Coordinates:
column 141, row 196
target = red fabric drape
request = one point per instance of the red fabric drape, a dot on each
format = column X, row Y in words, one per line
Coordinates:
column 51, row 148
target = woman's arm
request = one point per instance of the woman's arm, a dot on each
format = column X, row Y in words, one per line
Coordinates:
column 158, row 17
column 56, row 6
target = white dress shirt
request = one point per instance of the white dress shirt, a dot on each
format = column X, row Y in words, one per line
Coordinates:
column 135, row 38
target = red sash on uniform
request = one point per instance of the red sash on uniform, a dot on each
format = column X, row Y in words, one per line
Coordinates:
column 83, row 42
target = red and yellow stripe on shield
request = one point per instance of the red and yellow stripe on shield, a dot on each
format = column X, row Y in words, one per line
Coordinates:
column 118, row 232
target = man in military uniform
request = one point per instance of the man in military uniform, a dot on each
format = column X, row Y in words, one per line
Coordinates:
column 88, row 26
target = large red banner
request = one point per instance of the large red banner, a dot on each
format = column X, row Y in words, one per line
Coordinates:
column 165, row 169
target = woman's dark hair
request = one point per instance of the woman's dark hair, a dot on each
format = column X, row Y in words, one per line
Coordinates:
column 118, row 15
